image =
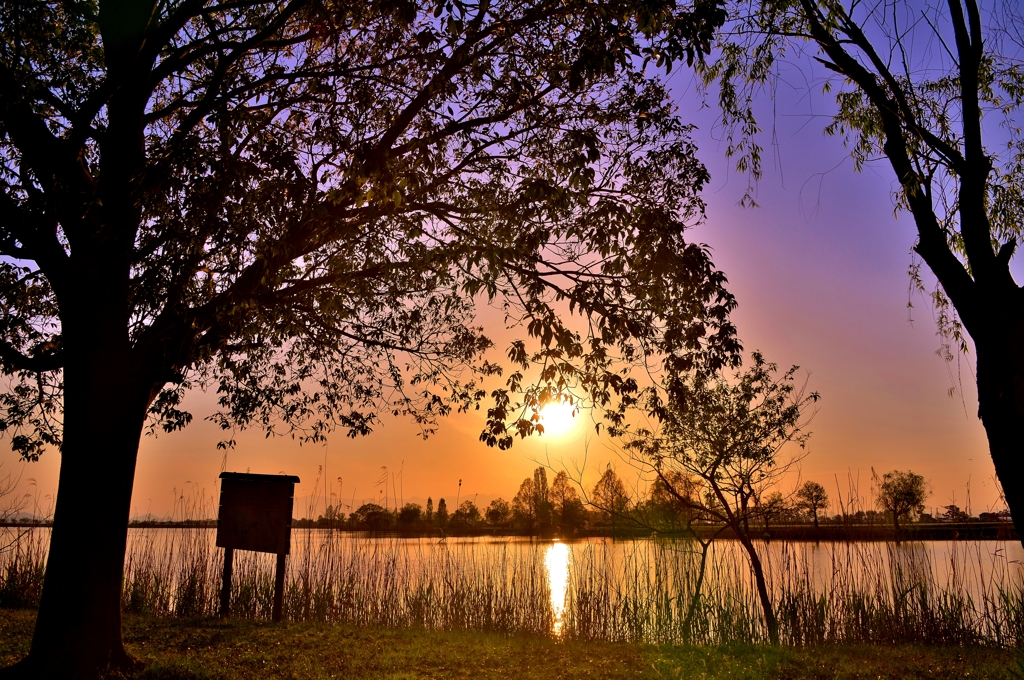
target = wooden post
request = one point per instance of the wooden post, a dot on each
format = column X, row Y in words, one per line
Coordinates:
column 225, row 586
column 279, row 587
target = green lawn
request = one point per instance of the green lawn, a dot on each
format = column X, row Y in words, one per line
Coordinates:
column 179, row 649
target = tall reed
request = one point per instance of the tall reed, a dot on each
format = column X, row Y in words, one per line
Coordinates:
column 871, row 593
column 646, row 590
column 22, row 561
column 333, row 577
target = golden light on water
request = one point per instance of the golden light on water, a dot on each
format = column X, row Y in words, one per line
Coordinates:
column 557, row 562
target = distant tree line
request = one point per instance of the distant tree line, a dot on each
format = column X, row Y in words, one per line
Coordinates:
column 537, row 508
column 562, row 508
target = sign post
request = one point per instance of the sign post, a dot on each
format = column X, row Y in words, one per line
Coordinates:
column 255, row 514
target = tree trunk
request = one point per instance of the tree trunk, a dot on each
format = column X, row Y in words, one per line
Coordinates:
column 1001, row 407
column 770, row 620
column 78, row 629
column 697, row 590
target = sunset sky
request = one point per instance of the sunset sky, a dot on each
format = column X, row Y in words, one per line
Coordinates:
column 820, row 272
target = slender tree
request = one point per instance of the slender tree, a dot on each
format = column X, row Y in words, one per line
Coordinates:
column 773, row 506
column 935, row 89
column 297, row 202
column 441, row 516
column 541, row 497
column 719, row 450
column 566, row 505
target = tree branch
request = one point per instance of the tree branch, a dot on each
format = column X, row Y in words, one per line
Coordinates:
column 42, row 363
column 974, row 223
column 932, row 245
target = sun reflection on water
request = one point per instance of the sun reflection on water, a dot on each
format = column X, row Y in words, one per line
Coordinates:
column 557, row 562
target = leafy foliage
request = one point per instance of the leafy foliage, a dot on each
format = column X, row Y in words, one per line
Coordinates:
column 812, row 497
column 299, row 203
column 499, row 512
column 719, row 449
column 902, row 494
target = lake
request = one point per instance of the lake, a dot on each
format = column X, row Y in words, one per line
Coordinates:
column 650, row 590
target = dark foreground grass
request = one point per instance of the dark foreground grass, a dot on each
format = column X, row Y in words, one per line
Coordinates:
column 201, row 649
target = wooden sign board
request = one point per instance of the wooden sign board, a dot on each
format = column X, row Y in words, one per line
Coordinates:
column 256, row 512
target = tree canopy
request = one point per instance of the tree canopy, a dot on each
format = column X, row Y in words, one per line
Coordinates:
column 299, row 203
column 812, row 497
column 902, row 494
column 304, row 199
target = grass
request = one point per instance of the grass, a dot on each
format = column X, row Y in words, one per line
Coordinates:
column 211, row 649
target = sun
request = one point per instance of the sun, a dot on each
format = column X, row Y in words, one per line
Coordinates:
column 559, row 418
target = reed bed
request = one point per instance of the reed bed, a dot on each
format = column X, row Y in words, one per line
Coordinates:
column 22, row 560
column 336, row 578
column 877, row 593
column 646, row 590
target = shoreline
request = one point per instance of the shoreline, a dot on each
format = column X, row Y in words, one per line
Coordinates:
column 831, row 533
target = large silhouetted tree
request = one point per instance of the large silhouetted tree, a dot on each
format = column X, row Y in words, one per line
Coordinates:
column 934, row 88
column 297, row 202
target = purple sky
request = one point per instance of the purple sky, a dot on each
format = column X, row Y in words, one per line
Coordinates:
column 820, row 272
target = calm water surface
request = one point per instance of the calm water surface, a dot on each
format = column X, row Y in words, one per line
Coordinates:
column 970, row 567
column 569, row 577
